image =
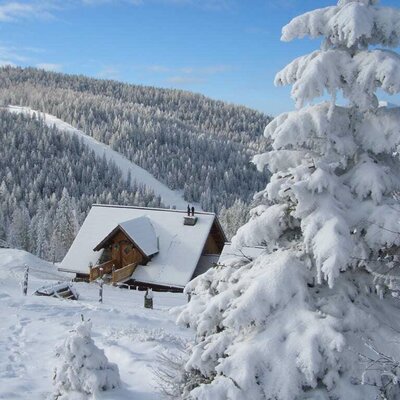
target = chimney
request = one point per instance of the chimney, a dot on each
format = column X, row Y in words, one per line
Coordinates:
column 190, row 219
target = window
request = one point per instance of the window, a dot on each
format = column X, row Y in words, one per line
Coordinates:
column 128, row 249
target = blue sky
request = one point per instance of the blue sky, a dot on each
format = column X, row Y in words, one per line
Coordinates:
column 225, row 49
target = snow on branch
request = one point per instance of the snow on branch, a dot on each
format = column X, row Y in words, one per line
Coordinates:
column 351, row 23
column 265, row 227
column 321, row 129
column 370, row 179
column 385, row 121
column 313, row 74
column 358, row 76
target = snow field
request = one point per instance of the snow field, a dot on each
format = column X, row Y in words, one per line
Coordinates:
column 32, row 327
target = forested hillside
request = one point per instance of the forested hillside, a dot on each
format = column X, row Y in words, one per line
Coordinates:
column 48, row 182
column 185, row 140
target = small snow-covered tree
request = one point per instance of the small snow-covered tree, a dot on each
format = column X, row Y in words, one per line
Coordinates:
column 292, row 323
column 83, row 368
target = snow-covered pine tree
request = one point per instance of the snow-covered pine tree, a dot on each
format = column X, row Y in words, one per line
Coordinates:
column 39, row 225
column 292, row 324
column 82, row 368
column 2, row 226
column 18, row 234
column 234, row 217
column 65, row 226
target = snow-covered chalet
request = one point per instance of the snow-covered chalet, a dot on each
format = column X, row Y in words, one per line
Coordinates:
column 154, row 248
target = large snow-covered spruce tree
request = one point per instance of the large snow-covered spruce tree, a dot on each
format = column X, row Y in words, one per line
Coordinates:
column 306, row 319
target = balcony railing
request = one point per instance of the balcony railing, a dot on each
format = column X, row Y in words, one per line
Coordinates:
column 121, row 274
column 111, row 268
column 103, row 269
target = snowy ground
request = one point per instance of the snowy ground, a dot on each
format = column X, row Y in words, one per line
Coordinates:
column 33, row 326
column 169, row 197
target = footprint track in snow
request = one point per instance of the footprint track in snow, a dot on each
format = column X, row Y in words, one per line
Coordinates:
column 15, row 344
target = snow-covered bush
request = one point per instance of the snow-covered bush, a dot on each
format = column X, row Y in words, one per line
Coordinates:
column 292, row 323
column 83, row 368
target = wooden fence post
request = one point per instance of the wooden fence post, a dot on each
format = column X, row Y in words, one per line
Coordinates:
column 25, row 283
column 148, row 299
column 101, row 282
column 101, row 290
column 112, row 275
column 90, row 272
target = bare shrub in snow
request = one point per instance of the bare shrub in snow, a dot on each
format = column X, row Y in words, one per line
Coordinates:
column 172, row 381
column 387, row 368
column 170, row 376
column 83, row 368
column 292, row 323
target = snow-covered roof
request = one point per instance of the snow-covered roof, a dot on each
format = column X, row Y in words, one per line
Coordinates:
column 180, row 246
column 141, row 231
column 230, row 252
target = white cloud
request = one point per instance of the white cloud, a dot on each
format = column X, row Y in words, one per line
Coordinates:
column 49, row 67
column 12, row 53
column 13, row 10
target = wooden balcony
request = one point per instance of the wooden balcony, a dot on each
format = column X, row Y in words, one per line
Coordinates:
column 111, row 268
column 107, row 267
column 121, row 274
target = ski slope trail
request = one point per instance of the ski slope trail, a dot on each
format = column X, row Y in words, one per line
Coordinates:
column 169, row 197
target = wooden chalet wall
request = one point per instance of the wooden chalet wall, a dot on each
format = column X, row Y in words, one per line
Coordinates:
column 215, row 241
column 123, row 250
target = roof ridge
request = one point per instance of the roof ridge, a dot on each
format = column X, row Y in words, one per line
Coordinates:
column 151, row 208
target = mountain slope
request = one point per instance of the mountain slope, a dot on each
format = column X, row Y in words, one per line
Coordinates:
column 48, row 182
column 128, row 169
column 187, row 141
